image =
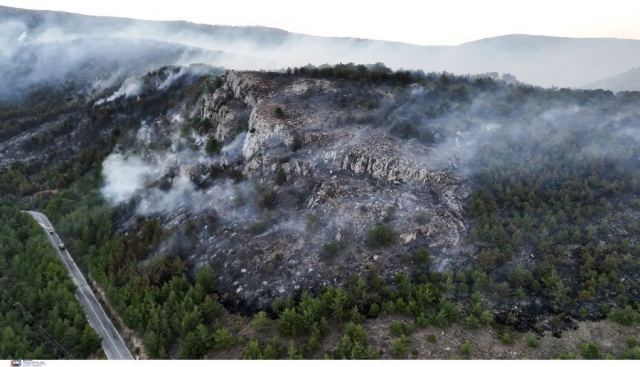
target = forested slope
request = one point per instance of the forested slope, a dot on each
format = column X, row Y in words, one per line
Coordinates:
column 40, row 317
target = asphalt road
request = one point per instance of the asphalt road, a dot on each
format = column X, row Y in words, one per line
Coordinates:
column 112, row 343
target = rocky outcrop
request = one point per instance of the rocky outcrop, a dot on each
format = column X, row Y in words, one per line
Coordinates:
column 330, row 181
column 267, row 133
column 294, row 172
column 228, row 108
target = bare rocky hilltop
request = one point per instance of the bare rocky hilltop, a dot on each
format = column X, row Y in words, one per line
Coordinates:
column 323, row 178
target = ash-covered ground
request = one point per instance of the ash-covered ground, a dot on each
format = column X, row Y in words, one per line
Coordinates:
column 302, row 172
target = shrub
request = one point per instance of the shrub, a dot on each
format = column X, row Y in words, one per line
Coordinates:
column 567, row 355
column 212, row 146
column 388, row 307
column 313, row 223
column 506, row 338
column 532, row 340
column 633, row 353
column 278, row 112
column 422, row 257
column 268, row 351
column 478, row 315
column 293, row 351
column 252, row 350
column 280, row 304
column 185, row 130
column 625, row 316
column 400, row 328
column 267, row 199
column 223, row 339
column 472, row 322
column 381, row 235
column 330, row 250
column 466, row 348
column 590, row 351
column 447, row 313
column 339, row 301
column 200, row 125
column 421, row 320
column 204, row 279
column 213, row 84
column 374, row 310
column 290, row 322
column 261, row 322
column 355, row 315
column 281, row 176
column 192, row 346
column 353, row 343
column 388, row 214
column 400, row 346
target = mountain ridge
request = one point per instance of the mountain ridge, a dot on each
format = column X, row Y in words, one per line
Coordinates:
column 541, row 60
column 284, row 31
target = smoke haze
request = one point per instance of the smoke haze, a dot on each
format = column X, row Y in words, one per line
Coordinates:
column 48, row 47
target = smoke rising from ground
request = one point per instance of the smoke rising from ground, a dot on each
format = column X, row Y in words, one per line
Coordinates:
column 125, row 176
column 131, row 176
column 164, row 182
column 130, row 88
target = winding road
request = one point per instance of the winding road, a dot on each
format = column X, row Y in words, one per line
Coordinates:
column 112, row 343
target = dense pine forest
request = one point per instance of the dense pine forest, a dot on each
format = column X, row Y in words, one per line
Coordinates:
column 40, row 316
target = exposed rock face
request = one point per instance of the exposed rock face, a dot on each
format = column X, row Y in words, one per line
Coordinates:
column 340, row 179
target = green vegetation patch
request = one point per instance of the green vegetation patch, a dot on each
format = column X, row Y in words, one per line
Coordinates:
column 40, row 316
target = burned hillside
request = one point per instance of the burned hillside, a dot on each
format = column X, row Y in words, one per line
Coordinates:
column 437, row 196
column 300, row 180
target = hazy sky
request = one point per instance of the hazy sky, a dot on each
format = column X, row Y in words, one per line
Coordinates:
column 420, row 22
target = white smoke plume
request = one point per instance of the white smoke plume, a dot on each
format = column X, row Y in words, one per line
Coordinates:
column 125, row 175
column 138, row 175
column 130, row 88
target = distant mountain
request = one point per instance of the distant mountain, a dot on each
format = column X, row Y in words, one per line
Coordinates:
column 548, row 61
column 627, row 81
column 541, row 60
